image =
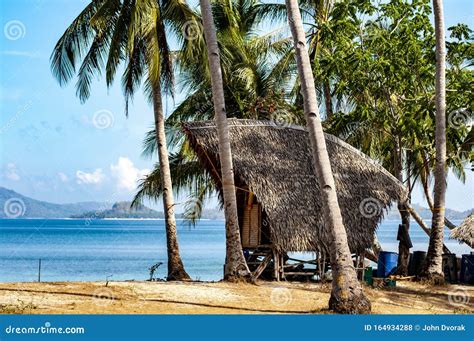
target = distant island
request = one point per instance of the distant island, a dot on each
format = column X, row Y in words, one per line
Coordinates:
column 16, row 205
column 122, row 210
column 426, row 214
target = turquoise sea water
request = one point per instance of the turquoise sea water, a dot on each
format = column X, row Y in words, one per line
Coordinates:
column 84, row 250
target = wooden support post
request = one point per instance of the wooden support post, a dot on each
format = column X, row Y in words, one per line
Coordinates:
column 39, row 270
column 262, row 266
column 282, row 267
column 361, row 265
column 276, row 265
column 324, row 263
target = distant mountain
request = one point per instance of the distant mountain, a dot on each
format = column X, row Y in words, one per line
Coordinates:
column 121, row 209
column 212, row 214
column 15, row 205
column 426, row 214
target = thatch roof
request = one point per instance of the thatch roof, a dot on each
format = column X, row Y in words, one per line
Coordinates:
column 275, row 163
column 465, row 231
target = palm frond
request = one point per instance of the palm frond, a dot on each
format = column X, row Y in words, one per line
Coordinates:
column 73, row 44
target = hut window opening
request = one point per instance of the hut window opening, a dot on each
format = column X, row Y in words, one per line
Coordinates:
column 252, row 221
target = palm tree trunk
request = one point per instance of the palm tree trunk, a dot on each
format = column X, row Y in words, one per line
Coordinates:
column 429, row 201
column 235, row 264
column 176, row 270
column 434, row 270
column 403, row 245
column 327, row 100
column 347, row 295
column 423, row 225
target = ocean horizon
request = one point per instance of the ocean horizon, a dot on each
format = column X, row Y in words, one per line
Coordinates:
column 124, row 249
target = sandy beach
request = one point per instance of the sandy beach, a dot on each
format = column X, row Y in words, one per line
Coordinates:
column 221, row 298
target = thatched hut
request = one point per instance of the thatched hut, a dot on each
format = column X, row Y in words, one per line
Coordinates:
column 279, row 200
column 465, row 232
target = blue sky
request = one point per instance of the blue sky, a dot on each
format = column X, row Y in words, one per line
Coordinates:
column 54, row 148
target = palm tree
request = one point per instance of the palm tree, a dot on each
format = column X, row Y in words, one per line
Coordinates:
column 347, row 295
column 433, row 269
column 317, row 14
column 107, row 34
column 235, row 265
column 256, row 71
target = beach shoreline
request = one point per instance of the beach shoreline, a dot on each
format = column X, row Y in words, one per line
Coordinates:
column 141, row 297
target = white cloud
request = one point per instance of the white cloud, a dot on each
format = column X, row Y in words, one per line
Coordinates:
column 18, row 53
column 95, row 177
column 11, row 172
column 63, row 177
column 127, row 174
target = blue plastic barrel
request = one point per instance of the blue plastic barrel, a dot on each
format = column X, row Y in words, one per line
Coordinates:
column 387, row 264
column 467, row 269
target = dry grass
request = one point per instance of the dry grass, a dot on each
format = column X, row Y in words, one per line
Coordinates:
column 220, row 298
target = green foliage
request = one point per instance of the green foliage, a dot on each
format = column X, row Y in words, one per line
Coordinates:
column 256, row 73
column 373, row 61
column 111, row 33
column 384, row 67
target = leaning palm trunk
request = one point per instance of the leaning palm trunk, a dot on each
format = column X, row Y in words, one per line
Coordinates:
column 176, row 270
column 433, row 269
column 235, row 264
column 404, row 244
column 429, row 201
column 347, row 295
